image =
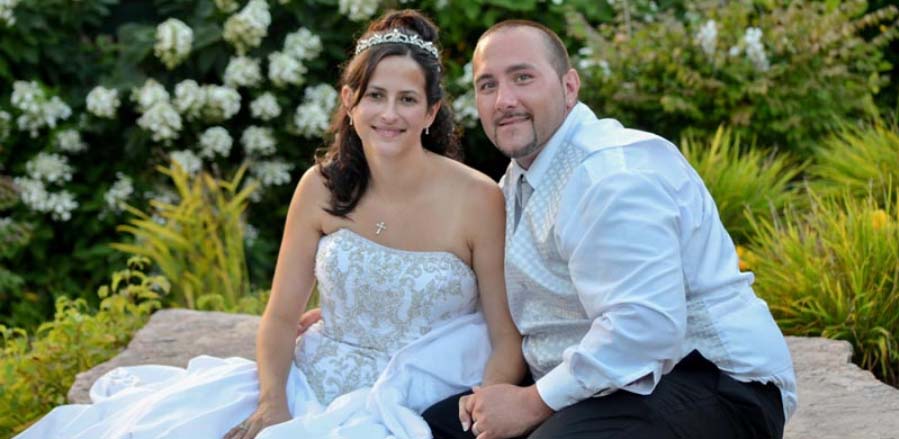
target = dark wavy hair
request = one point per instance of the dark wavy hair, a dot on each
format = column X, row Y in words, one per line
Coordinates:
column 342, row 164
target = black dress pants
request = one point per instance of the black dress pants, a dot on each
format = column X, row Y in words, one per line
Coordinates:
column 694, row 401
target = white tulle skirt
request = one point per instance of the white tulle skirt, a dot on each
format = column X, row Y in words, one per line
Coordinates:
column 212, row 395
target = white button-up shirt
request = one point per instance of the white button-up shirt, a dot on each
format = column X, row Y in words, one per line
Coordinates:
column 620, row 267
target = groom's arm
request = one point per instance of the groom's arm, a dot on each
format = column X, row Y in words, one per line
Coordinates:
column 623, row 250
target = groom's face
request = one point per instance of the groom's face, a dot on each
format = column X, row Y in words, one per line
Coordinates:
column 521, row 99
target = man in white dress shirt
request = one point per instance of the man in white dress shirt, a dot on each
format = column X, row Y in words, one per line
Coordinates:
column 636, row 320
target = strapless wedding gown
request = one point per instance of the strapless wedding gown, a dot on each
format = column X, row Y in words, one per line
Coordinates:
column 400, row 330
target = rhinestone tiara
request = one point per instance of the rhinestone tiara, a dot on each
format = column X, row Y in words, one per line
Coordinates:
column 395, row 36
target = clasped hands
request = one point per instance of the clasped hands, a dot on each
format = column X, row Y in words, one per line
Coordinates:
column 502, row 411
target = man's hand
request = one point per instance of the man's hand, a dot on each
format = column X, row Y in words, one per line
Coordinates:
column 308, row 319
column 503, row 411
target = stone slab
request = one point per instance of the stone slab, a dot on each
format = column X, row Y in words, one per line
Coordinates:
column 174, row 336
column 837, row 400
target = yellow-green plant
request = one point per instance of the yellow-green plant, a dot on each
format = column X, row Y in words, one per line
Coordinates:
column 36, row 371
column 743, row 180
column 860, row 159
column 833, row 271
column 200, row 244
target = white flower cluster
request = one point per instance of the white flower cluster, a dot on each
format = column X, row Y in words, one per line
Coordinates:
column 215, row 141
column 38, row 111
column 34, row 194
column 246, row 29
column 6, row 12
column 242, row 71
column 265, row 107
column 213, row 103
column 221, row 103
column 189, row 99
column 755, row 51
column 148, row 95
column 707, row 37
column 162, row 121
column 286, row 66
column 103, row 102
column 464, row 106
column 119, row 192
column 312, row 116
column 465, row 109
column 5, row 125
column 250, row 234
column 46, row 169
column 358, row 10
column 284, row 69
column 227, row 6
column 49, row 168
column 173, row 42
column 188, row 161
column 70, row 141
column 258, row 141
column 303, row 44
column 159, row 115
column 271, row 172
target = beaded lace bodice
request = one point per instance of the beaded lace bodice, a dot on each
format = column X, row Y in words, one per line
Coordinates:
column 374, row 301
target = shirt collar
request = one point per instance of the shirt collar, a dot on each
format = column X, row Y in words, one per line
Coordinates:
column 534, row 174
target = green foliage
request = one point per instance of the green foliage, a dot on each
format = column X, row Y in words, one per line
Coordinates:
column 200, row 243
column 36, row 371
column 68, row 48
column 13, row 236
column 834, row 272
column 788, row 86
column 860, row 159
column 744, row 181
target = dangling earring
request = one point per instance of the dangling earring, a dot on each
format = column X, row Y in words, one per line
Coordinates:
column 351, row 119
column 427, row 130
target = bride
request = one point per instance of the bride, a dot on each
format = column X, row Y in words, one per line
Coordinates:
column 406, row 247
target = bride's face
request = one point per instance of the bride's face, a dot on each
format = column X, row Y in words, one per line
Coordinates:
column 393, row 111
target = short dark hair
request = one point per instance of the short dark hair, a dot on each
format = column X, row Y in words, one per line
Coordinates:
column 558, row 53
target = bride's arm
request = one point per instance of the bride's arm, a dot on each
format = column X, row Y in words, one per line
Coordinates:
column 506, row 364
column 291, row 286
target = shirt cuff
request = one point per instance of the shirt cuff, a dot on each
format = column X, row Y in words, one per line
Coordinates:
column 560, row 389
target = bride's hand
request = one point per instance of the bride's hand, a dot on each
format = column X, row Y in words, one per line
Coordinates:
column 260, row 419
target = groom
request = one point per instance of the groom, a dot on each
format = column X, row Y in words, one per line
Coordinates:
column 636, row 320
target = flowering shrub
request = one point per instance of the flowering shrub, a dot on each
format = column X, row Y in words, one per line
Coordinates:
column 783, row 72
column 209, row 85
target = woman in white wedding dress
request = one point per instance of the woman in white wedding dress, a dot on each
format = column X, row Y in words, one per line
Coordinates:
column 406, row 246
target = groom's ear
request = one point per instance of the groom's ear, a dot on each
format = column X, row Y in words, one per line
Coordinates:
column 571, row 83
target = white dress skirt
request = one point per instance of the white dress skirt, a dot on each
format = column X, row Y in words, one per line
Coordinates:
column 400, row 331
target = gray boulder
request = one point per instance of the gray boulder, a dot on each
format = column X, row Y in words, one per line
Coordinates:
column 836, row 398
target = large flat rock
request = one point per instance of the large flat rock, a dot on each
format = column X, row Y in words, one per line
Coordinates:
column 174, row 336
column 836, row 398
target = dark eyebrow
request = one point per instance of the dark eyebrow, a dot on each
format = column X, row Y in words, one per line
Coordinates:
column 511, row 69
column 518, row 67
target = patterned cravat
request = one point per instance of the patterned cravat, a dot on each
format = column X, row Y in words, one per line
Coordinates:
column 522, row 194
